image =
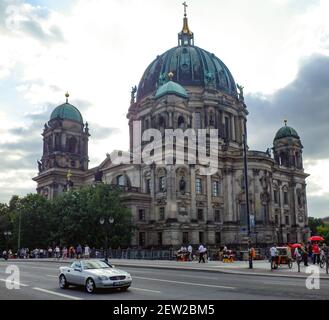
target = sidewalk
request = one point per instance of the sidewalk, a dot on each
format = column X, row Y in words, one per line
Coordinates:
column 261, row 268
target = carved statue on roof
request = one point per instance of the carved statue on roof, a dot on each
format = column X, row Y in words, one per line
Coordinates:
column 133, row 94
column 241, row 97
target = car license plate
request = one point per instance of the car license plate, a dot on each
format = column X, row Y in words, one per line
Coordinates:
column 118, row 283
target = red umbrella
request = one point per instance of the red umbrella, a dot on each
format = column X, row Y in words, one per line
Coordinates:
column 316, row 238
column 296, row 245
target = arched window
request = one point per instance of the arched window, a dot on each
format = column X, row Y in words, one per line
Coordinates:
column 162, row 184
column 146, row 124
column 211, row 119
column 72, row 145
column 120, row 180
column 198, row 186
column 162, row 122
column 181, row 122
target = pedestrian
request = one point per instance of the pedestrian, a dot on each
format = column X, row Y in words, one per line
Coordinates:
column 251, row 256
column 309, row 251
column 50, row 252
column 206, row 256
column 190, row 252
column 316, row 253
column 72, row 252
column 298, row 254
column 202, row 251
column 64, row 251
column 79, row 251
column 273, row 253
column 87, row 252
column 57, row 252
column 304, row 255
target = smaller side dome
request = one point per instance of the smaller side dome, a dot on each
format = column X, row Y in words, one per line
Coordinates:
column 171, row 88
column 67, row 112
column 286, row 132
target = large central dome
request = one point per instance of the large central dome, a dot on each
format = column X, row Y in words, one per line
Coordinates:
column 191, row 66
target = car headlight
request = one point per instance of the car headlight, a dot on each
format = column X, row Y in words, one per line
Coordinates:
column 128, row 276
column 103, row 278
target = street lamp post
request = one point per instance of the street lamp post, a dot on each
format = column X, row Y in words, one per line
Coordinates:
column 246, row 185
column 110, row 221
column 19, row 234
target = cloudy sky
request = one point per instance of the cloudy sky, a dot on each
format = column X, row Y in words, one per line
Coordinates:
column 99, row 49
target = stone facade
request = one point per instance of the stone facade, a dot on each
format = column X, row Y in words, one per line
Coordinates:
column 175, row 203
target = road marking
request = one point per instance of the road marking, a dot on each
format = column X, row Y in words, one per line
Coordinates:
column 50, row 275
column 148, row 290
column 14, row 282
column 281, row 283
column 187, row 283
column 57, row 294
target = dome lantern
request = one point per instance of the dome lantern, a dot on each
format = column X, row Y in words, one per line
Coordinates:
column 185, row 37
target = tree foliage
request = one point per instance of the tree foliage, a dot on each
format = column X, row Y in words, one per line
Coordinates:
column 72, row 218
column 314, row 223
column 323, row 231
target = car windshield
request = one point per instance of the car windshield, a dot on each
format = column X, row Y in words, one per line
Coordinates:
column 97, row 264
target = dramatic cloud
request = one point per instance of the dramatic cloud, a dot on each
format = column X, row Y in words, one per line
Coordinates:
column 99, row 49
column 304, row 103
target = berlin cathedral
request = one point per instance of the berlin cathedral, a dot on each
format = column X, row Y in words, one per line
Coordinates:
column 173, row 204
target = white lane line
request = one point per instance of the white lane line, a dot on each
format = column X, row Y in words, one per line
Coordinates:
column 282, row 283
column 187, row 283
column 57, row 294
column 147, row 290
column 14, row 282
column 51, row 276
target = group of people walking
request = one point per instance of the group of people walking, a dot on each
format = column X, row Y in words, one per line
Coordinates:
column 51, row 252
column 311, row 252
column 186, row 253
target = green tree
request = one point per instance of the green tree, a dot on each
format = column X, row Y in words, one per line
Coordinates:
column 5, row 224
column 323, row 231
column 314, row 223
column 77, row 213
column 34, row 211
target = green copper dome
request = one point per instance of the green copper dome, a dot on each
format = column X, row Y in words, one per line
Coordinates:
column 286, row 132
column 67, row 112
column 191, row 66
column 171, row 88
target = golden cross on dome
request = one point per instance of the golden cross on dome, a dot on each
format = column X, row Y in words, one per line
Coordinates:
column 185, row 6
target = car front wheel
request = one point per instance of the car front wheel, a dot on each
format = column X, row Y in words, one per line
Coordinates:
column 62, row 282
column 90, row 285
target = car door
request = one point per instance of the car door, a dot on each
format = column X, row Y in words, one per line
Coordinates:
column 75, row 273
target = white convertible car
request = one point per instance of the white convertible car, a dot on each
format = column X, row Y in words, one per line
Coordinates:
column 93, row 274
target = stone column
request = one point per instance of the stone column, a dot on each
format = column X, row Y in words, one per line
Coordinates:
column 171, row 193
column 232, row 128
column 193, row 200
column 171, row 120
column 210, row 213
column 153, row 191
